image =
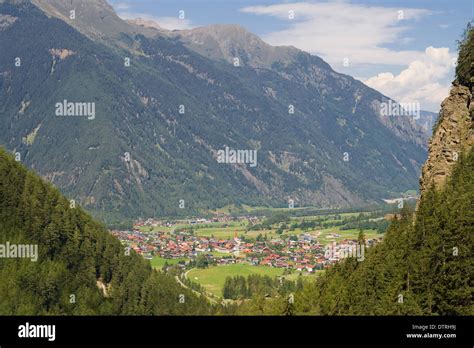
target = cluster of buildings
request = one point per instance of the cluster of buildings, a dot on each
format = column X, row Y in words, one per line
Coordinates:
column 304, row 253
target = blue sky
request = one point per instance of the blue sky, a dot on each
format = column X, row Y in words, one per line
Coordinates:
column 405, row 49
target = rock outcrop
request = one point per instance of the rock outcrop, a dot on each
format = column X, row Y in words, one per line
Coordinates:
column 454, row 134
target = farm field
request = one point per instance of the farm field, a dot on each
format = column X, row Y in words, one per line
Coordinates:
column 229, row 232
column 159, row 262
column 329, row 224
column 220, row 232
column 324, row 235
column 213, row 278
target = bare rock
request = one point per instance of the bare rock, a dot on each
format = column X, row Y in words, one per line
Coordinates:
column 453, row 135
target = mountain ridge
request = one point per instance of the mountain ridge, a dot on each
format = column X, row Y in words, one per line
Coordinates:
column 171, row 156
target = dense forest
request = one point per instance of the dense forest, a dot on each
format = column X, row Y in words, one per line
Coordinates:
column 80, row 269
column 240, row 287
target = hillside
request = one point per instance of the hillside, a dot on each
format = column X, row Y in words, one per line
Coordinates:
column 421, row 268
column 79, row 268
column 140, row 156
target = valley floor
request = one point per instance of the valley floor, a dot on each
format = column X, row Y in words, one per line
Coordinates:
column 278, row 245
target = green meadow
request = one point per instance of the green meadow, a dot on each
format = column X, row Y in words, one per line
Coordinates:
column 159, row 262
column 213, row 278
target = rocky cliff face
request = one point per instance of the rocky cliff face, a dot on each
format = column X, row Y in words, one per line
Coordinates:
column 454, row 134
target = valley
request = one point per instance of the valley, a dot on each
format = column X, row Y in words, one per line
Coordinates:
column 207, row 250
column 128, row 162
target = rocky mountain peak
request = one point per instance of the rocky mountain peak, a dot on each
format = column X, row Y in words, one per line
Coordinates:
column 93, row 18
column 230, row 41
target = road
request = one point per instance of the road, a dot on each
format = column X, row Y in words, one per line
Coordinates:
column 208, row 296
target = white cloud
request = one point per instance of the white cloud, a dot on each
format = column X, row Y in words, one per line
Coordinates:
column 419, row 82
column 170, row 23
column 339, row 29
column 336, row 30
column 173, row 23
column 121, row 6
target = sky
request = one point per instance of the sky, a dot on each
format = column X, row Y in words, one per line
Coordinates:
column 405, row 49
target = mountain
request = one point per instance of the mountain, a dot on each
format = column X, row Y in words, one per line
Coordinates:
column 160, row 122
column 227, row 42
column 424, row 264
column 93, row 18
column 427, row 120
column 78, row 268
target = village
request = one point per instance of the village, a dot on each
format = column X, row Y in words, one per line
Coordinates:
column 302, row 252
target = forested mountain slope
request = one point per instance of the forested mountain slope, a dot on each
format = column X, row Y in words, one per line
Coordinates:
column 80, row 269
column 140, row 155
column 421, row 268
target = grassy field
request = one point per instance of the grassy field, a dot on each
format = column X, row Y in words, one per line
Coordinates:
column 220, row 254
column 229, row 232
column 325, row 235
column 220, row 232
column 159, row 262
column 213, row 278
